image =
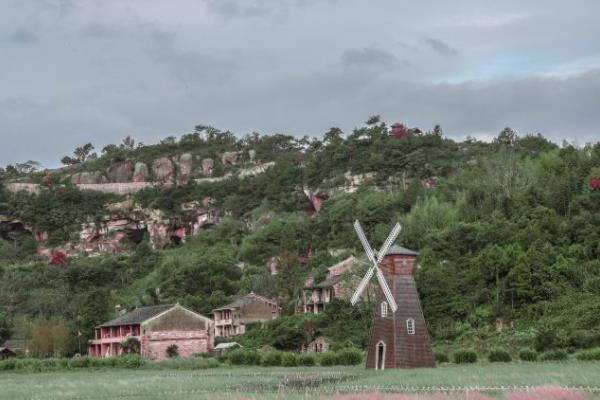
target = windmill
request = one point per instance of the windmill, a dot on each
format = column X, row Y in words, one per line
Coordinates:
column 399, row 337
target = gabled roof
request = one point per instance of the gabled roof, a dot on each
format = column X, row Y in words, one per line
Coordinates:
column 15, row 344
column 395, row 249
column 329, row 282
column 239, row 301
column 138, row 315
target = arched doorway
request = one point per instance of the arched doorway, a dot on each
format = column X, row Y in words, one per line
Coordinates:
column 380, row 355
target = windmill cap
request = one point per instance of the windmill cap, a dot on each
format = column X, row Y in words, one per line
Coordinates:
column 395, row 249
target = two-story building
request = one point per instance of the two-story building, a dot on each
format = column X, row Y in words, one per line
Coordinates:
column 231, row 319
column 155, row 328
column 316, row 296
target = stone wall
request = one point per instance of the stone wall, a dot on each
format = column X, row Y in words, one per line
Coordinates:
column 155, row 344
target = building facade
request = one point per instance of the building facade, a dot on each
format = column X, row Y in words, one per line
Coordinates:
column 316, row 296
column 155, row 328
column 231, row 319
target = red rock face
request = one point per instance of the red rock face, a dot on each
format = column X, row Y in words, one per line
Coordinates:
column 120, row 172
column 140, row 173
column 163, row 170
column 207, row 166
column 185, row 165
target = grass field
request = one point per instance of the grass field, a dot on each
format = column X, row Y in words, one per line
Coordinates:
column 318, row 382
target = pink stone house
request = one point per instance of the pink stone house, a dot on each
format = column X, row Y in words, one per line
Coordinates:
column 231, row 319
column 316, row 296
column 156, row 328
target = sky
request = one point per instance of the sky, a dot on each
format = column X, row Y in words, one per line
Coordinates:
column 77, row 71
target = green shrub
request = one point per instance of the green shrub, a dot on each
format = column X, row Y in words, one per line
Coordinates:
column 7, row 365
column 464, row 357
column 349, row 356
column 130, row 361
column 328, row 359
column 244, row 357
column 272, row 359
column 289, row 360
column 80, row 362
column 546, row 339
column 499, row 355
column 172, row 351
column 554, row 355
column 307, row 359
column 589, row 355
column 528, row 355
column 441, row 357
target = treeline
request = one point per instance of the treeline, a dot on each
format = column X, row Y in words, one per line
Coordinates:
column 507, row 233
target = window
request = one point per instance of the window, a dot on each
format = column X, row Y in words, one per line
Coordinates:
column 410, row 326
column 384, row 309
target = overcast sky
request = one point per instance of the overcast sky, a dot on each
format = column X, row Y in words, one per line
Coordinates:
column 73, row 71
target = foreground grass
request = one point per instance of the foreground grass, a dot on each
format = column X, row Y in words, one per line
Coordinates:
column 268, row 383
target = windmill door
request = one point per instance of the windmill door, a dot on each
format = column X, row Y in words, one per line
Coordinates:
column 380, row 356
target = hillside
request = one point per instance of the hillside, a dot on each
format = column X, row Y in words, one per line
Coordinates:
column 508, row 231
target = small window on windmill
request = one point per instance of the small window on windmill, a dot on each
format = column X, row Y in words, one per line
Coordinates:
column 384, row 309
column 410, row 326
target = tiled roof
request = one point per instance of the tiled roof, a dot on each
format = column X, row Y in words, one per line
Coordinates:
column 329, row 282
column 239, row 301
column 15, row 344
column 138, row 315
column 395, row 249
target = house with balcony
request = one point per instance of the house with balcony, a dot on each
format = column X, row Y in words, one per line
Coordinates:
column 155, row 328
column 232, row 319
column 316, row 296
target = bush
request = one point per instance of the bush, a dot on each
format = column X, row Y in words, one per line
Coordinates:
column 546, row 339
column 307, row 360
column 464, row 357
column 554, row 355
column 289, row 360
column 349, row 356
column 172, row 351
column 589, row 355
column 328, row 359
column 441, row 357
column 499, row 355
column 272, row 359
column 80, row 362
column 244, row 357
column 7, row 365
column 528, row 355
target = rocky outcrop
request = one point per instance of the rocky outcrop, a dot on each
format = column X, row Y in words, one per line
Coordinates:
column 140, row 172
column 185, row 165
column 208, row 164
column 93, row 177
column 252, row 155
column 120, row 172
column 230, row 157
column 163, row 170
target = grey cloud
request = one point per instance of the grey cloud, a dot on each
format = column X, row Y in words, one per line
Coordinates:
column 101, row 31
column 23, row 36
column 440, row 47
column 370, row 57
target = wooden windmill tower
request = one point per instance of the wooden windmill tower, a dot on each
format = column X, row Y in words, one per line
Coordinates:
column 399, row 337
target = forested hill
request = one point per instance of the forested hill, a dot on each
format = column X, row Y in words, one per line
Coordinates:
column 507, row 231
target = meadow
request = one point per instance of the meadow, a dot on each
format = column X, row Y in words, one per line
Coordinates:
column 473, row 381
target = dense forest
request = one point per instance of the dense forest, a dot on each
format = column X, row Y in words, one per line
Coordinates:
column 507, row 230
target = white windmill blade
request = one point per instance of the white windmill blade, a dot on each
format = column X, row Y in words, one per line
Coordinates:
column 388, row 242
column 386, row 290
column 362, row 285
column 363, row 240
